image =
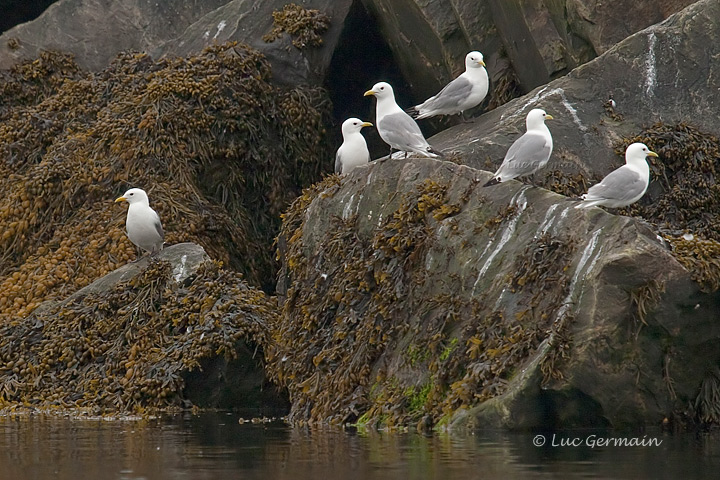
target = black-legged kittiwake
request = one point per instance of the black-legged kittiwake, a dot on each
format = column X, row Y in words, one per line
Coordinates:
column 625, row 185
column 142, row 225
column 396, row 127
column 463, row 93
column 354, row 151
column 530, row 152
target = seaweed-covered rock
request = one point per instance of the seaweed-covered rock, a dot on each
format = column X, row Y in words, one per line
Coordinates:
column 412, row 294
column 132, row 341
column 95, row 32
column 219, row 149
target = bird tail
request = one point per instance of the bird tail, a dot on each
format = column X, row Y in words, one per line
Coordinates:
column 492, row 181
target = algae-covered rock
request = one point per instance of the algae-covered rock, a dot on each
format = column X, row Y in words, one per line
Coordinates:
column 141, row 338
column 412, row 294
column 96, row 31
column 220, row 151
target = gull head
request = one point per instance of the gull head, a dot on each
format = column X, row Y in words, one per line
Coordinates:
column 474, row 60
column 536, row 117
column 134, row 195
column 638, row 152
column 353, row 125
column 381, row 90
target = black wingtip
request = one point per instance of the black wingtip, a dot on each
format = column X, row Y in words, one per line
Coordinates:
column 493, row 181
column 412, row 111
column 435, row 152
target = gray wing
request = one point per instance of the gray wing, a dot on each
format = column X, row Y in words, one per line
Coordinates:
column 622, row 185
column 451, row 96
column 400, row 130
column 525, row 156
column 158, row 226
column 338, row 162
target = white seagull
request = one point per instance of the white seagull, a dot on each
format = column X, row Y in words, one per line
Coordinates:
column 354, row 151
column 396, row 127
column 143, row 223
column 463, row 93
column 530, row 152
column 625, row 185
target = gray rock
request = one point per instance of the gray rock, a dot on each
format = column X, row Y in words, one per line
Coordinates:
column 542, row 39
column 96, row 31
column 611, row 305
column 661, row 74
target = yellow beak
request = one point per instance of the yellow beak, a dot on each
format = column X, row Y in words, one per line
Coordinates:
column 120, row 199
column 652, row 154
column 482, row 63
column 366, row 124
column 369, row 92
column 549, row 117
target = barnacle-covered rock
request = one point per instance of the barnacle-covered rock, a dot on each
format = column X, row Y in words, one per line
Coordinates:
column 411, row 294
column 138, row 340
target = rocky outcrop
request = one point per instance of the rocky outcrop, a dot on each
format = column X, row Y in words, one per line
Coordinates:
column 96, row 31
column 175, row 330
column 530, row 42
column 418, row 295
column 664, row 73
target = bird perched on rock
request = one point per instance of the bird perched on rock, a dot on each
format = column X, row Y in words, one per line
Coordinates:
column 396, row 127
column 530, row 152
column 143, row 223
column 463, row 93
column 354, row 151
column 625, row 185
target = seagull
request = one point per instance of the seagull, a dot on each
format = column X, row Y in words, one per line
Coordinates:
column 625, row 185
column 463, row 93
column 396, row 127
column 354, row 151
column 143, row 223
column 530, row 152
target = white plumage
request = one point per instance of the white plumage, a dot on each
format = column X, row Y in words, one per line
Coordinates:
column 354, row 151
column 396, row 127
column 142, row 225
column 625, row 185
column 463, row 93
column 530, row 152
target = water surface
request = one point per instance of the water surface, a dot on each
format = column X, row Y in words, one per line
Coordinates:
column 216, row 446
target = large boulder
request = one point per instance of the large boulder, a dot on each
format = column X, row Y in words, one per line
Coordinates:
column 176, row 330
column 664, row 73
column 413, row 294
column 96, row 31
column 528, row 42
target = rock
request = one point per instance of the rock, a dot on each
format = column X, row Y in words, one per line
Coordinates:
column 661, row 74
column 409, row 291
column 96, row 31
column 247, row 21
column 171, row 331
column 542, row 40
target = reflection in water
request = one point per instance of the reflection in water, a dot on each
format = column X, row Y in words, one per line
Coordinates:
column 215, row 446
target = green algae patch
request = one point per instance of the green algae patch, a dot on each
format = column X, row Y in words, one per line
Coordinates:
column 219, row 149
column 128, row 349
column 305, row 26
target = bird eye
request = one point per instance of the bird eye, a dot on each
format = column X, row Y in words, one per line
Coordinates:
column 382, row 88
column 132, row 194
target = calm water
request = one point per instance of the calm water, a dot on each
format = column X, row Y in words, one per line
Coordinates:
column 216, row 446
